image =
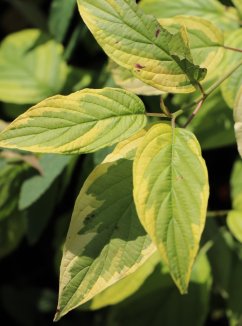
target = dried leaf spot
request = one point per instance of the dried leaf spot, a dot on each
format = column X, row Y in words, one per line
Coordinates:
column 157, row 33
column 139, row 67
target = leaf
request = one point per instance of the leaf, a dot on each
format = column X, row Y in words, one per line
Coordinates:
column 53, row 166
column 12, row 222
column 171, row 194
column 212, row 10
column 125, row 287
column 61, row 12
column 234, row 222
column 125, row 79
column 238, row 120
column 238, row 5
column 31, row 12
column 231, row 85
column 12, row 230
column 158, row 303
column 81, row 122
column 140, row 44
column 205, row 40
column 221, row 265
column 31, row 67
column 236, row 185
column 105, row 241
column 234, row 308
column 11, row 178
column 40, row 212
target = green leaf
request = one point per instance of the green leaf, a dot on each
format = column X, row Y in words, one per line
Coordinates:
column 125, row 287
column 171, row 194
column 231, row 85
column 31, row 12
column 234, row 222
column 158, row 303
column 105, row 241
column 125, row 79
column 31, row 67
column 40, row 212
column 205, row 40
column 140, row 44
column 221, row 265
column 238, row 5
column 11, row 178
column 52, row 166
column 212, row 10
column 236, row 186
column 238, row 120
column 12, row 222
column 234, row 308
column 12, row 230
column 61, row 12
column 214, row 125
column 81, row 122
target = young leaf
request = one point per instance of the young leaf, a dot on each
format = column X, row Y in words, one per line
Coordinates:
column 231, row 85
column 105, row 241
column 238, row 120
column 81, row 122
column 171, row 194
column 224, row 17
column 140, row 44
column 31, row 67
column 61, row 12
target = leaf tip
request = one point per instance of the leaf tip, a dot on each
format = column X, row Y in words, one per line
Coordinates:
column 57, row 316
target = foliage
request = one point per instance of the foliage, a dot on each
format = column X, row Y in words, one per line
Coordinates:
column 144, row 241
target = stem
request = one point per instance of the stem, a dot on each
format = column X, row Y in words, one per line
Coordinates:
column 159, row 115
column 232, row 49
column 164, row 108
column 78, row 33
column 221, row 80
column 198, row 107
column 215, row 85
column 217, row 213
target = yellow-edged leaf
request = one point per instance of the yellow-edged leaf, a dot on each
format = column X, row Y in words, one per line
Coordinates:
column 138, row 42
column 81, row 122
column 171, row 194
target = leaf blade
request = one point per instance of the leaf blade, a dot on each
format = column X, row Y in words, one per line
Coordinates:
column 139, row 43
column 163, row 168
column 90, row 119
column 32, row 67
column 113, row 243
